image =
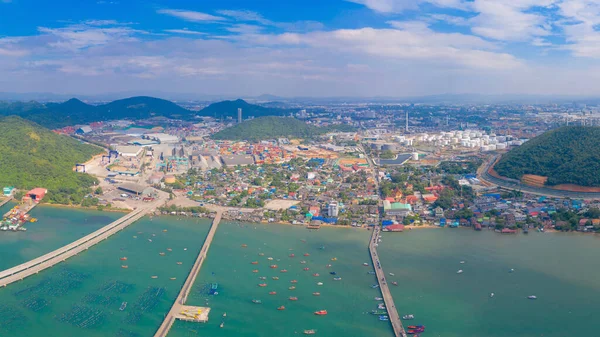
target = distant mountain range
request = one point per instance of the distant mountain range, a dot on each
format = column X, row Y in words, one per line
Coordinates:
column 74, row 111
column 431, row 99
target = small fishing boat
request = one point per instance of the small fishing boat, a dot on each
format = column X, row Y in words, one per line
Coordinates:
column 384, row 318
column 460, row 271
column 123, row 306
column 337, row 278
column 408, row 317
column 316, row 274
column 262, row 284
column 173, row 278
column 375, row 286
column 332, row 273
column 244, row 245
column 532, row 297
column 316, row 294
column 306, row 254
column 270, row 258
column 416, row 327
column 124, row 258
column 149, row 240
column 292, row 288
column 378, row 312
column 328, row 266
column 222, row 324
column 392, row 274
column 334, row 259
column 153, row 276
column 378, row 298
column 292, row 298
column 321, row 312
column 135, row 236
column 164, row 230
column 292, row 255
column 275, row 277
column 261, row 254
column 462, row 262
column 293, row 281
column 281, row 308
column 491, row 294
column 169, row 249
column 224, row 314
column 272, row 293
column 371, row 272
column 262, row 278
column 381, row 306
column 365, row 264
column 184, row 248
column 256, row 301
column 302, row 262
column 320, row 283
column 395, row 283
column 273, row 266
column 306, row 269
column 310, row 332
column 283, row 270
column 161, row 254
column 511, row 270
column 179, row 262
column 255, row 270
column 124, row 266
column 254, row 262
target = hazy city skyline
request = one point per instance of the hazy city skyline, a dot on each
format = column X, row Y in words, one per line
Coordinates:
column 394, row 48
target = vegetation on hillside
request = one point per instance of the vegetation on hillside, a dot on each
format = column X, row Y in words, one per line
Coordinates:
column 567, row 155
column 74, row 111
column 226, row 109
column 273, row 127
column 32, row 156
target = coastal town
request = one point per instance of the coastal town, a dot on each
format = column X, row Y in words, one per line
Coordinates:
column 392, row 170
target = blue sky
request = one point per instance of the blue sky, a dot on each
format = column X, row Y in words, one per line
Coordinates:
column 301, row 48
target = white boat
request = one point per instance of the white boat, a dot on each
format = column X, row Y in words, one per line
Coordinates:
column 511, row 270
column 491, row 294
column 320, row 283
column 462, row 262
column 407, row 317
column 532, row 297
column 460, row 271
column 392, row 274
column 224, row 314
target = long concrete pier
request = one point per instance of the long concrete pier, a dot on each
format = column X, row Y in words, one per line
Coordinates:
column 165, row 327
column 36, row 265
column 385, row 290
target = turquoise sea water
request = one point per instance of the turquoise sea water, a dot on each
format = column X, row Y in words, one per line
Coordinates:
column 347, row 301
column 55, row 228
column 560, row 269
column 82, row 296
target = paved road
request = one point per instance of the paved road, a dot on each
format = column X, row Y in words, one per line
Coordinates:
column 385, row 290
column 512, row 184
column 165, row 327
column 36, row 265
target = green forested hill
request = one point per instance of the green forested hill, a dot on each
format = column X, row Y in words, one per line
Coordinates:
column 274, row 127
column 74, row 111
column 567, row 155
column 229, row 109
column 32, row 156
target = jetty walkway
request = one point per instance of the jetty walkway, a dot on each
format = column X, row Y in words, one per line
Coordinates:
column 385, row 290
column 5, row 201
column 165, row 327
column 36, row 265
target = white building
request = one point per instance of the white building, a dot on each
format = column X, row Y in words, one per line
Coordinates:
column 129, row 151
column 333, row 209
column 163, row 138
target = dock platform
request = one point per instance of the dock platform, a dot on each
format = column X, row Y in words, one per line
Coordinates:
column 193, row 314
column 5, row 201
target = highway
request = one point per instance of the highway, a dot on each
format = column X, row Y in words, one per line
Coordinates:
column 36, row 265
column 167, row 323
column 512, row 184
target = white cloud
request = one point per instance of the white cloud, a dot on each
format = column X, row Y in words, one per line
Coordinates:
column 190, row 15
column 77, row 37
column 184, row 31
column 388, row 6
column 453, row 20
column 243, row 28
column 101, row 22
column 245, row 15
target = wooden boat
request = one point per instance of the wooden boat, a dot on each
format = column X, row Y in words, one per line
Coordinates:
column 124, row 258
column 309, row 332
column 294, row 281
column 306, row 269
column 262, row 284
column 316, row 294
column 275, row 277
column 281, row 308
column 173, row 278
column 321, row 312
column 272, row 293
column 179, row 262
column 161, row 254
column 255, row 271
column 306, row 254
column 124, row 266
column 254, row 262
column 316, row 274
column 292, row 298
column 244, row 245
column 283, row 270
column 292, row 288
column 153, row 276
column 273, row 266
